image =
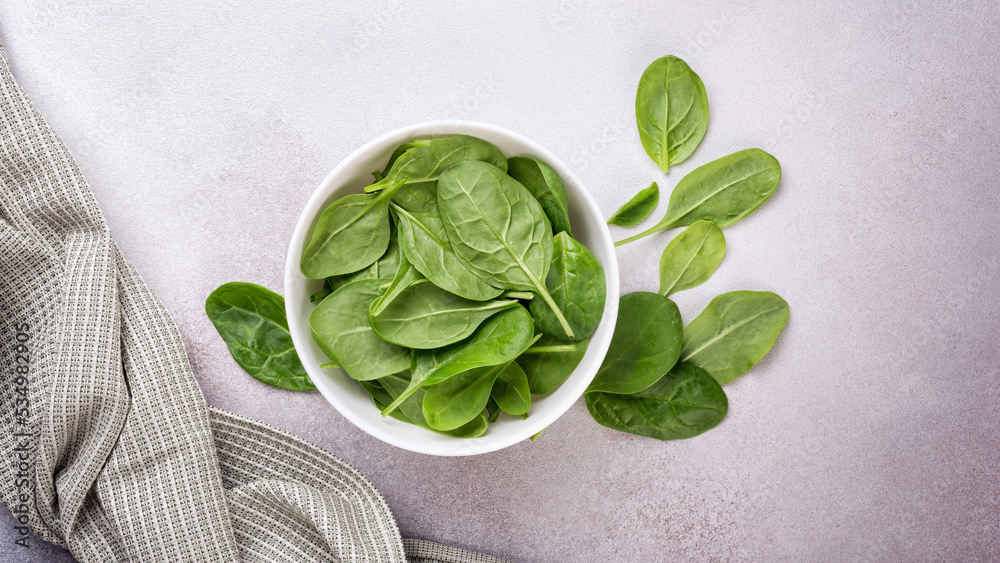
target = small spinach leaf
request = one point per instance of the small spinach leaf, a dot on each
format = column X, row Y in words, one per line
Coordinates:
column 542, row 182
column 459, row 399
column 350, row 234
column 550, row 361
column 724, row 191
column 671, row 111
column 385, row 267
column 341, row 327
column 645, row 345
column 637, row 208
column 428, row 158
column 683, row 403
column 511, row 392
column 411, row 408
column 691, row 258
column 426, row 245
column 734, row 332
column 498, row 230
column 251, row 320
column 425, row 316
column 498, row 340
column 576, row 283
column 406, row 275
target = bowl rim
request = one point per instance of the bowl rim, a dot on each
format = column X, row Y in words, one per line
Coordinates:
column 580, row 196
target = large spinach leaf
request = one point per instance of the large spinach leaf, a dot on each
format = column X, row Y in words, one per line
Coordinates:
column 498, row 229
column 498, row 340
column 637, row 208
column 543, row 183
column 683, row 403
column 645, row 345
column 425, row 243
column 724, row 191
column 671, row 111
column 426, row 159
column 548, row 362
column 350, row 234
column 576, row 283
column 734, row 332
column 341, row 327
column 425, row 316
column 251, row 320
column 691, row 258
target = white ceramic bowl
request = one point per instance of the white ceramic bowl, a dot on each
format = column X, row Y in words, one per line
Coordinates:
column 346, row 395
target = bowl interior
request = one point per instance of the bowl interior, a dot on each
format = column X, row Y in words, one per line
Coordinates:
column 346, row 395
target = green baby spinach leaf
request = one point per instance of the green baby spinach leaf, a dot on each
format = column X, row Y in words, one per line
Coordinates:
column 251, row 320
column 411, row 408
column 692, row 257
column 542, row 182
column 671, row 111
column 724, row 191
column 637, row 208
column 511, row 392
column 548, row 362
column 351, row 233
column 428, row 158
column 420, row 197
column 425, row 316
column 385, row 267
column 341, row 328
column 425, row 243
column 734, row 332
column 645, row 345
column 498, row 230
column 684, row 403
column 459, row 399
column 406, row 275
column 576, row 283
column 498, row 340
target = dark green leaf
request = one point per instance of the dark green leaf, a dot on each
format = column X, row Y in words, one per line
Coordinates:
column 548, row 362
column 427, row 159
column 251, row 320
column 576, row 283
column 411, row 408
column 543, row 183
column 459, row 399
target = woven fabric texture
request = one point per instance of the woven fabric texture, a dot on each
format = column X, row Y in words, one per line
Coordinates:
column 117, row 456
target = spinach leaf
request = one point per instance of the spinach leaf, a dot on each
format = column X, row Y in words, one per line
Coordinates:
column 542, row 182
column 576, row 283
column 425, row 316
column 461, row 398
column 683, row 403
column 381, row 398
column 428, row 158
column 425, row 243
column 671, row 111
column 406, row 275
column 511, row 392
column 385, row 267
column 498, row 340
column 420, row 197
column 645, row 345
column 637, row 208
column 341, row 327
column 497, row 229
column 411, row 408
column 251, row 320
column 550, row 361
column 492, row 410
column 734, row 332
column 724, row 191
column 692, row 257
column 350, row 234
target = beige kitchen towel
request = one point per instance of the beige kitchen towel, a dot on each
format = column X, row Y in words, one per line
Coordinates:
column 110, row 448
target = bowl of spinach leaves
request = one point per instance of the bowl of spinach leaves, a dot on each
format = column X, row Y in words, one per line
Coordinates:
column 451, row 288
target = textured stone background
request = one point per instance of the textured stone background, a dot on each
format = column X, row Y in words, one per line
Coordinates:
column 871, row 432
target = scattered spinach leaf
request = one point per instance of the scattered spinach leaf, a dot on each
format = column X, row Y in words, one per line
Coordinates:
column 251, row 320
column 497, row 229
column 724, row 191
column 734, row 332
column 671, row 111
column 637, row 208
column 576, row 283
column 692, row 257
column 542, row 182
column 684, row 403
column 645, row 345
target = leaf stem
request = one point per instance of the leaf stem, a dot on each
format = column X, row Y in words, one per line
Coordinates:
column 555, row 309
column 550, row 349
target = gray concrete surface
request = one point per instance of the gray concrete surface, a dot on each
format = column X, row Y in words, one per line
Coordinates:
column 871, row 432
